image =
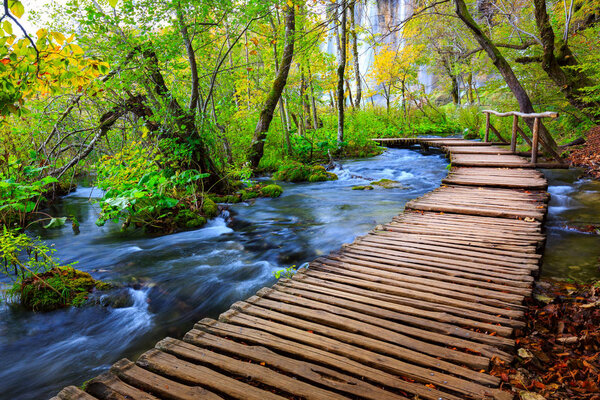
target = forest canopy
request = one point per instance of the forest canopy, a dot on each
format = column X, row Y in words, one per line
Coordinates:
column 175, row 104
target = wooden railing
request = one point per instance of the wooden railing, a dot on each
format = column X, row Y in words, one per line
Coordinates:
column 516, row 129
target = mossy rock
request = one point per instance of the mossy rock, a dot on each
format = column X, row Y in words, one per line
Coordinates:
column 248, row 195
column 271, row 190
column 71, row 287
column 367, row 187
column 209, row 208
column 189, row 219
column 293, row 171
column 387, row 184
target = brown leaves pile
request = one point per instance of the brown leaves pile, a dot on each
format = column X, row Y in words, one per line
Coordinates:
column 589, row 155
column 559, row 352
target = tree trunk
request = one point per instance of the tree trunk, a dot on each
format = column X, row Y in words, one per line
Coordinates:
column 355, row 55
column 313, row 101
column 284, row 122
column 570, row 80
column 525, row 105
column 340, row 70
column 266, row 115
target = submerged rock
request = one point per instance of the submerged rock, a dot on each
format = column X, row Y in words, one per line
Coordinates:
column 367, row 187
column 387, row 184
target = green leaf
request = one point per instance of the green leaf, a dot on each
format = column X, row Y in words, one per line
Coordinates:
column 56, row 222
column 113, row 3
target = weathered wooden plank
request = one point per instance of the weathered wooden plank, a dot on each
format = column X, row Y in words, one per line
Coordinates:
column 310, row 352
column 377, row 317
column 178, row 351
column 385, row 362
column 183, row 371
column 108, row 386
column 373, row 306
column 158, row 385
column 74, row 393
column 309, row 371
column 409, row 306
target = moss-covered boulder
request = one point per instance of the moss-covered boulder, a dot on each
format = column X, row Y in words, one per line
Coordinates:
column 57, row 288
column 387, row 184
column 209, row 208
column 293, row 171
column 271, row 191
column 367, row 187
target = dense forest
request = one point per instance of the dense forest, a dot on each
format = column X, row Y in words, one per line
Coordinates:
column 174, row 106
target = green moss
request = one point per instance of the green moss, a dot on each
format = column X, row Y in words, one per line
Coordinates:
column 293, row 171
column 387, row 184
column 189, row 219
column 247, row 195
column 209, row 208
column 58, row 288
column 368, row 187
column 271, row 191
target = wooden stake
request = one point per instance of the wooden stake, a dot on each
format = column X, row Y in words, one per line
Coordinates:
column 513, row 140
column 487, row 127
column 534, row 142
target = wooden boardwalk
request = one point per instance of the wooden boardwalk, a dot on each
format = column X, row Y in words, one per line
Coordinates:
column 417, row 308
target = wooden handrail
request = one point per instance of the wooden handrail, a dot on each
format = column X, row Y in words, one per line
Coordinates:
column 515, row 129
column 547, row 114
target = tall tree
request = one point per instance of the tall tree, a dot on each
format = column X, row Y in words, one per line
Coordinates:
column 341, row 13
column 355, row 54
column 266, row 115
column 503, row 67
column 561, row 65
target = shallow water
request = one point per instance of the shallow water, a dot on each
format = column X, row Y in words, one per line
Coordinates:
column 181, row 278
column 574, row 203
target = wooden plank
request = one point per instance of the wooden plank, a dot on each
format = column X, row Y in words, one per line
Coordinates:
column 73, row 393
column 414, row 317
column 183, row 371
column 109, row 386
column 381, row 318
column 309, row 352
column 158, row 385
column 409, row 306
column 318, row 374
column 382, row 361
column 174, row 352
column 365, row 335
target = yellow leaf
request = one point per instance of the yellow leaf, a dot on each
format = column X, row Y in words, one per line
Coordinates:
column 59, row 37
column 41, row 33
column 113, row 3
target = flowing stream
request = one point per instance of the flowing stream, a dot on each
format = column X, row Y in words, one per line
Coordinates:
column 574, row 207
column 175, row 280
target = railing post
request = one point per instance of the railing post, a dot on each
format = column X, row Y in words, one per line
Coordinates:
column 487, row 127
column 513, row 139
column 534, row 141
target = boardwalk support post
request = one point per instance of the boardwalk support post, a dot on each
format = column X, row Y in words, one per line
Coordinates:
column 534, row 141
column 487, row 127
column 513, row 139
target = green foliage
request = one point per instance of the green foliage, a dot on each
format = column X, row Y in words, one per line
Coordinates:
column 288, row 272
column 293, row 171
column 139, row 192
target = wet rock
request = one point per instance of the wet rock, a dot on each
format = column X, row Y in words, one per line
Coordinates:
column 367, row 187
